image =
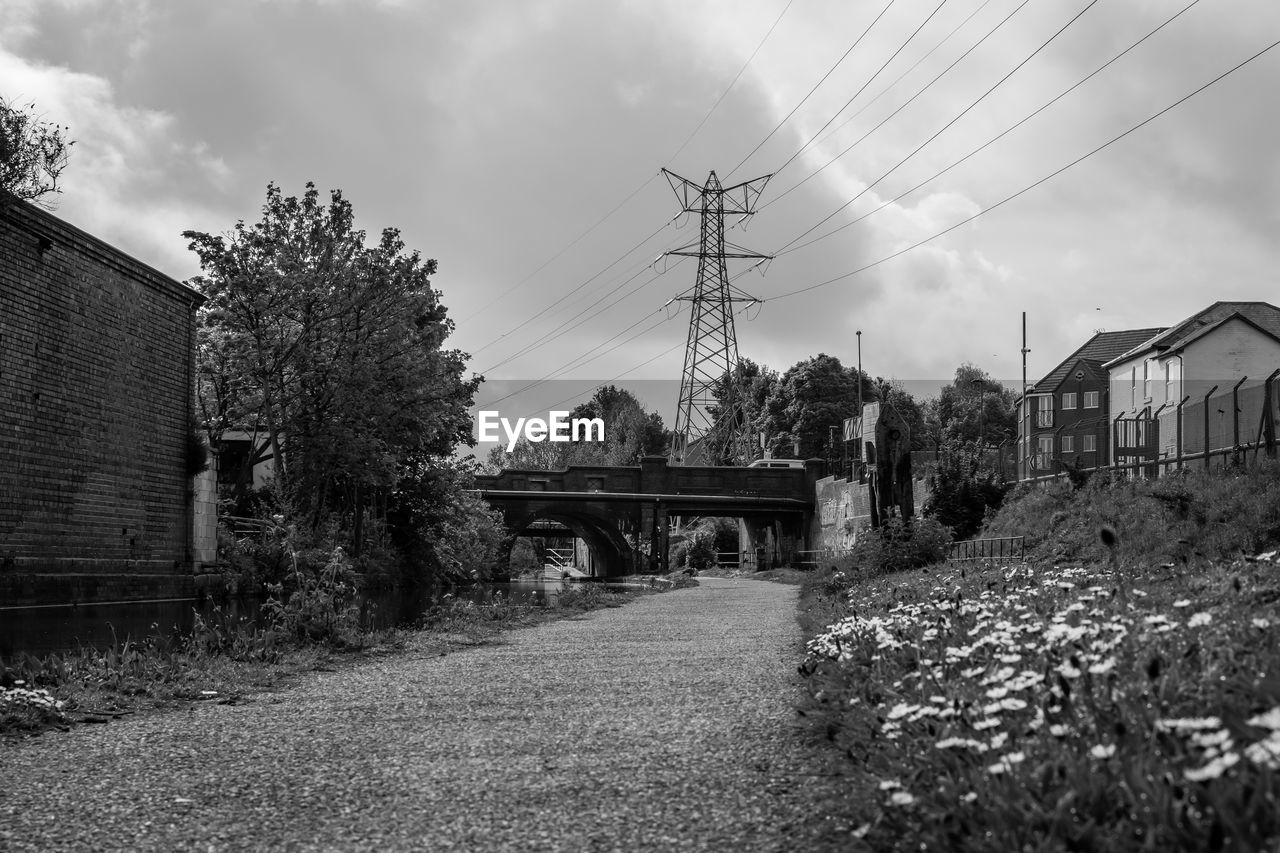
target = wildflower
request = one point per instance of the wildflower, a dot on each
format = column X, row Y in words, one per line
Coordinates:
column 973, row 671
column 1220, row 738
column 1265, row 753
column 986, row 723
column 1198, row 619
column 1182, row 602
column 1068, row 671
column 1261, row 624
column 1059, row 730
column 969, row 797
column 1103, row 750
column 1103, row 666
column 890, row 784
column 1189, row 724
column 1269, row 720
column 1009, row 658
column 861, row 832
column 901, row 710
column 999, row 740
column 1213, row 769
column 997, row 692
column 1139, row 593
column 901, row 798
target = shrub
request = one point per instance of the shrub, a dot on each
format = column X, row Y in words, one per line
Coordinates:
column 321, row 606
column 897, row 545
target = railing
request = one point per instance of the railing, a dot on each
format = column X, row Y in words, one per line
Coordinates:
column 559, row 558
column 728, row 559
column 813, row 559
column 998, row 550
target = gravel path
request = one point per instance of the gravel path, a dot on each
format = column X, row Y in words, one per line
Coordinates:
column 666, row 724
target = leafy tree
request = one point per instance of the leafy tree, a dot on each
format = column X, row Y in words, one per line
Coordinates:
column 630, row 433
column 811, row 397
column 975, row 407
column 33, row 153
column 332, row 349
column 965, row 488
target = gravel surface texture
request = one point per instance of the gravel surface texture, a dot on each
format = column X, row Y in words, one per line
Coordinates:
column 667, row 724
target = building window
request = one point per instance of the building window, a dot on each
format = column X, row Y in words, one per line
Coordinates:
column 1044, row 415
column 1091, row 399
column 1168, row 380
column 1089, row 443
column 1146, row 378
column 1068, row 444
column 1068, row 401
column 1133, row 387
column 1044, row 452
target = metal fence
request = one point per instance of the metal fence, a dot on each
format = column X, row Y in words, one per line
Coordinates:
column 1005, row 549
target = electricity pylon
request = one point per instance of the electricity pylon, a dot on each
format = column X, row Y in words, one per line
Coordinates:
column 711, row 352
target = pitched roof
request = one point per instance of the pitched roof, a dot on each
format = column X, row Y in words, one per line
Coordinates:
column 1261, row 314
column 1102, row 347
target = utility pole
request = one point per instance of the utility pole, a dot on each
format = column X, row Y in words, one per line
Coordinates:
column 711, row 350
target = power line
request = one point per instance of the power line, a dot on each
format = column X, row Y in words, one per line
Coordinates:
column 904, row 105
column 569, row 246
column 1030, row 187
column 998, row 136
column 944, row 128
column 736, row 78
column 863, row 87
column 621, row 204
column 901, row 76
column 831, row 70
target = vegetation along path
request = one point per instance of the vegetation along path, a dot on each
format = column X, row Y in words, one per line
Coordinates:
column 665, row 724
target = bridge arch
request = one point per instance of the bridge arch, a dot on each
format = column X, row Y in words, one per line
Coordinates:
column 599, row 530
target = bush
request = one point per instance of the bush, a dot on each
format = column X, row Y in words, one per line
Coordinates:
column 321, row 607
column 898, row 545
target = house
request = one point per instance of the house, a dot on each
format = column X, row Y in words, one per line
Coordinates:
column 1204, row 385
column 1062, row 419
column 99, row 496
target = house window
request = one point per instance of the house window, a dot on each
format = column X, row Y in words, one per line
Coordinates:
column 1044, row 452
column 1091, row 399
column 1089, row 443
column 1168, row 380
column 1068, row 401
column 1133, row 387
column 1068, row 444
column 1044, row 415
column 1146, row 378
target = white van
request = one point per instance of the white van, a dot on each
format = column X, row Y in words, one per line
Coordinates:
column 777, row 463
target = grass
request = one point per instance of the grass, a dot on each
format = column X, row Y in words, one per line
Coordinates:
column 225, row 662
column 1128, row 700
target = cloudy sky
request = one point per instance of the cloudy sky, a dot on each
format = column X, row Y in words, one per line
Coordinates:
column 519, row 143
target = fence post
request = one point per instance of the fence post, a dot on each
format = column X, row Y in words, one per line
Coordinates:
column 1206, row 426
column 1235, row 423
column 1268, row 416
column 1178, row 457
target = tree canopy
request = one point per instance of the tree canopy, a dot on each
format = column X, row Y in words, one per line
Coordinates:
column 329, row 350
column 33, row 153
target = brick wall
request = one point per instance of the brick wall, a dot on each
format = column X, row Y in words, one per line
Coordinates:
column 95, row 392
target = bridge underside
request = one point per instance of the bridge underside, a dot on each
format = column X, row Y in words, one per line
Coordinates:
column 630, row 534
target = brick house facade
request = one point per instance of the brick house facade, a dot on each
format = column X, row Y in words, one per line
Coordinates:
column 96, row 379
column 1062, row 419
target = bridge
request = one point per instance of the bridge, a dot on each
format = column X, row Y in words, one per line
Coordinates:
column 623, row 512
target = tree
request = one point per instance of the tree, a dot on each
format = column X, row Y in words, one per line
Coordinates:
column 630, row 433
column 33, row 153
column 813, row 396
column 333, row 349
column 975, row 407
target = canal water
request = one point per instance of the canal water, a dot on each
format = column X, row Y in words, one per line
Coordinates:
column 41, row 630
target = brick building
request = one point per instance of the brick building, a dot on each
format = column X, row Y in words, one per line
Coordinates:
column 96, row 378
column 1062, row 419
